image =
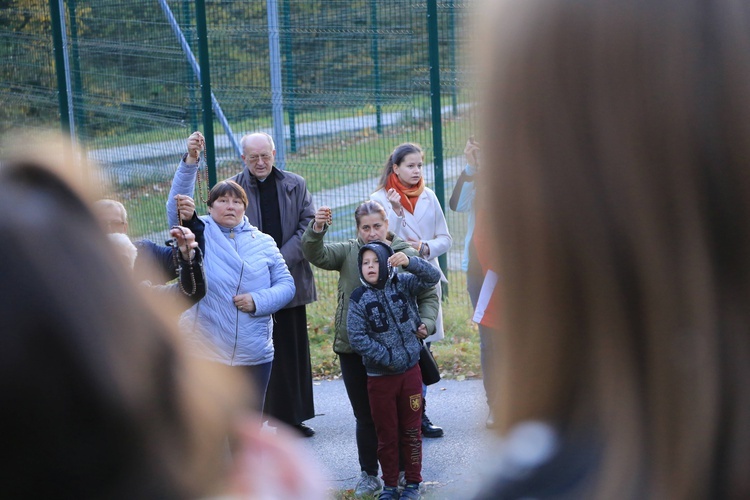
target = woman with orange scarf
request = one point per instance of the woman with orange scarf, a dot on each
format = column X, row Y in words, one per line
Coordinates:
column 416, row 216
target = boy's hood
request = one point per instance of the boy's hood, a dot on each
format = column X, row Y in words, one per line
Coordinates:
column 383, row 251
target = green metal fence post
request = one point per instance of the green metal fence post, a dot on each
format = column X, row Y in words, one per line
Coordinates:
column 289, row 68
column 376, row 64
column 452, row 53
column 435, row 94
column 76, row 62
column 188, row 73
column 60, row 64
column 207, row 104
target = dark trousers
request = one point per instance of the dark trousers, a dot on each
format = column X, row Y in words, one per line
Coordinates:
column 258, row 376
column 290, row 389
column 355, row 380
column 396, row 403
column 487, row 340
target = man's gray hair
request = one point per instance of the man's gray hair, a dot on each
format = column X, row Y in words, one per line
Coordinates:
column 268, row 136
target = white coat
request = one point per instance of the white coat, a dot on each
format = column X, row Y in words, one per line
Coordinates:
column 426, row 224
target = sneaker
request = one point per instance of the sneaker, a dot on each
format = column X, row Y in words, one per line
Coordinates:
column 368, row 485
column 411, row 492
column 389, row 493
column 401, row 480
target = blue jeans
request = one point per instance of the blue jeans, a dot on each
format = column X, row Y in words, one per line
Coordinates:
column 258, row 376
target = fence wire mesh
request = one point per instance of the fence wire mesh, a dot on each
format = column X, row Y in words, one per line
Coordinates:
column 355, row 82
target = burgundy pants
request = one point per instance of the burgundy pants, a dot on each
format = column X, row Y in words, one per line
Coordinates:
column 396, row 406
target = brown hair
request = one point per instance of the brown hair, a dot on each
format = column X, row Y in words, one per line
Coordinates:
column 369, row 207
column 619, row 201
column 224, row 188
column 101, row 399
column 396, row 158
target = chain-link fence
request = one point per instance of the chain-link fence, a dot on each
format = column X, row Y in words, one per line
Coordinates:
column 344, row 81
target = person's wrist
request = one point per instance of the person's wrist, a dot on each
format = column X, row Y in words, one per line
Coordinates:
column 189, row 160
column 470, row 170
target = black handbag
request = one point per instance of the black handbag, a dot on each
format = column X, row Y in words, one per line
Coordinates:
column 428, row 365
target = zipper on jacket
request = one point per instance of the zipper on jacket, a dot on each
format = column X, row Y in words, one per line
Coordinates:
column 395, row 322
column 237, row 322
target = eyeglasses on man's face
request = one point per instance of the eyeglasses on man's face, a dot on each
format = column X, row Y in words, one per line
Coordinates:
column 254, row 158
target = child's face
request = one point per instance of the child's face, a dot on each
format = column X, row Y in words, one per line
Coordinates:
column 370, row 267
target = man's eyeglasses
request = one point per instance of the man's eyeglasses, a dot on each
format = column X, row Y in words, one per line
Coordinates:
column 254, row 158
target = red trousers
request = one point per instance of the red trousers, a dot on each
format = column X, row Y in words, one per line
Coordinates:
column 396, row 406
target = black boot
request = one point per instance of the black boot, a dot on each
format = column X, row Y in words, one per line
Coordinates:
column 429, row 430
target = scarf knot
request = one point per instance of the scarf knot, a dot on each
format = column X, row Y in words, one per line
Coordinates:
column 409, row 195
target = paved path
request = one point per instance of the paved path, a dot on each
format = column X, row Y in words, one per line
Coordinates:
column 452, row 464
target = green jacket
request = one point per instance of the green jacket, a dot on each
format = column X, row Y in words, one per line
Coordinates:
column 342, row 257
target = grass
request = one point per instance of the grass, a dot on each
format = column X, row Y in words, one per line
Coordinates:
column 336, row 162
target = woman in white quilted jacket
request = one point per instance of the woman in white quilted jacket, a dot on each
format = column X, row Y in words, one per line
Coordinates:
column 247, row 281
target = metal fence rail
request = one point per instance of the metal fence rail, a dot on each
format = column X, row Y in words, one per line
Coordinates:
column 344, row 81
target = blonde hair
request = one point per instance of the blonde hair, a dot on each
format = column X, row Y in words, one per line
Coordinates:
column 124, row 249
column 106, row 203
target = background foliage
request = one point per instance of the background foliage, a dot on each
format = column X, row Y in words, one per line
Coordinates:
column 355, row 76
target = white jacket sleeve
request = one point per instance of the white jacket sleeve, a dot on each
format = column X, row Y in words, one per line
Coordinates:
column 183, row 182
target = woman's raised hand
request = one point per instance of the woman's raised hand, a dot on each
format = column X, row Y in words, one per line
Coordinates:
column 471, row 152
column 322, row 218
column 185, row 206
column 395, row 198
column 195, row 144
column 185, row 241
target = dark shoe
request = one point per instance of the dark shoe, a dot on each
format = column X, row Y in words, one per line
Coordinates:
column 429, row 430
column 305, row 430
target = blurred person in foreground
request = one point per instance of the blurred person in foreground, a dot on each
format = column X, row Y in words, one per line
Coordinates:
column 99, row 399
column 619, row 200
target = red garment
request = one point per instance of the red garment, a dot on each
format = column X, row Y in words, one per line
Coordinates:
column 487, row 310
column 409, row 195
column 396, row 406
